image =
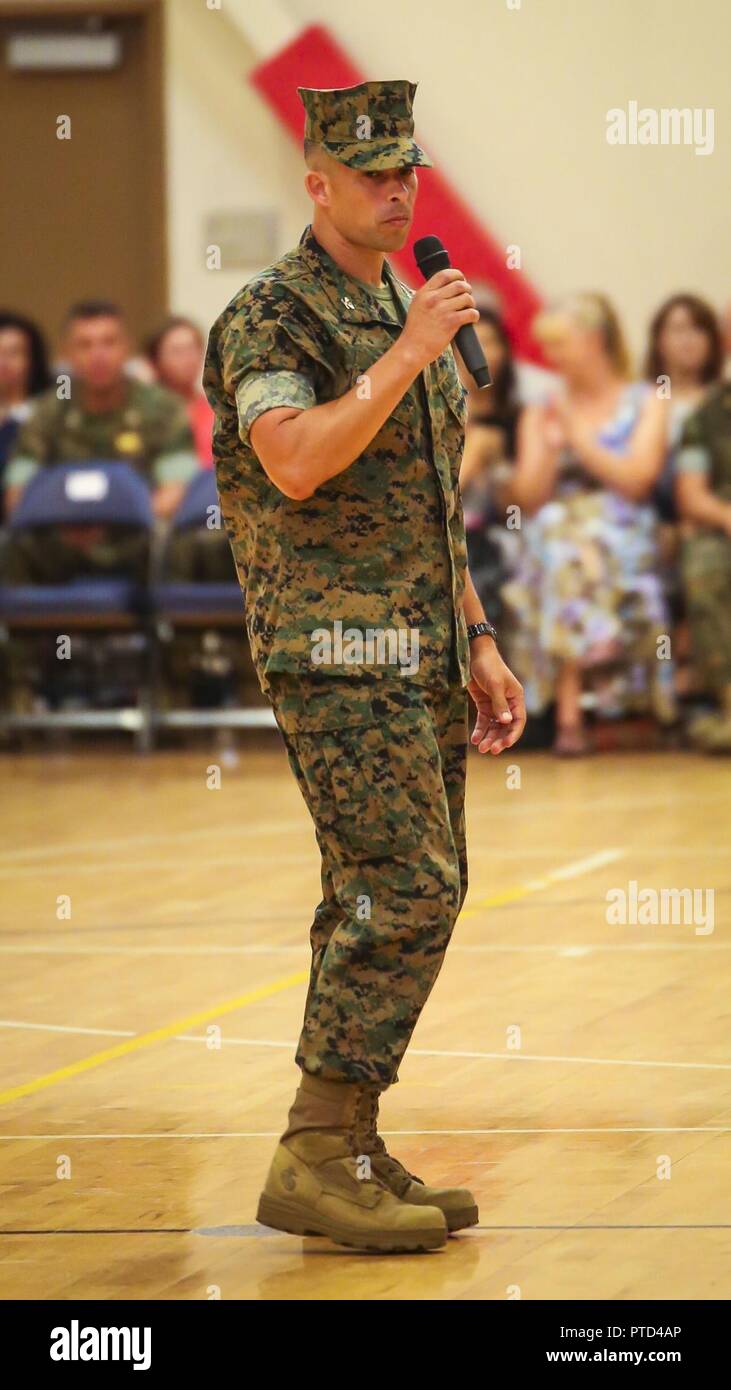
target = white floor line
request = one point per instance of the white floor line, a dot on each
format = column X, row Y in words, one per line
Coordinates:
column 562, row 950
column 394, row 1133
column 220, row 831
column 578, row 867
column 413, row 1051
column 479, row 851
column 38, row 862
column 587, row 949
column 521, row 804
column 584, row 1061
column 67, row 1028
column 574, row 869
column 106, row 866
column 241, row 1042
column 58, row 949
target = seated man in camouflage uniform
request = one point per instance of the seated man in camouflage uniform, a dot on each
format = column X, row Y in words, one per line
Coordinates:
column 98, row 412
column 703, row 490
column 338, row 440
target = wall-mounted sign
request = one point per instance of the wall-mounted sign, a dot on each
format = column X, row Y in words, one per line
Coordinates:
column 246, row 236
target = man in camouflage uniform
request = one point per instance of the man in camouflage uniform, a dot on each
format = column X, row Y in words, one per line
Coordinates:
column 339, row 431
column 104, row 414
column 704, row 502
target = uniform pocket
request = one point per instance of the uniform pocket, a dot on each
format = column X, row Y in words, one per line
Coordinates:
column 452, row 389
column 374, row 815
column 361, row 361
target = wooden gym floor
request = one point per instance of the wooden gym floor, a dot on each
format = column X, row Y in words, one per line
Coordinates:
column 133, row 1145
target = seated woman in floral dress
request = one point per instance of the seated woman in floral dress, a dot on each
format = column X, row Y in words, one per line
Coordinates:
column 587, row 602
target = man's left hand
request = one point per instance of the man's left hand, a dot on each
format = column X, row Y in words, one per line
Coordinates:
column 499, row 699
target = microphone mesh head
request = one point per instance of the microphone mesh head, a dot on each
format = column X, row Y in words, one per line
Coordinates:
column 426, row 246
column 430, row 255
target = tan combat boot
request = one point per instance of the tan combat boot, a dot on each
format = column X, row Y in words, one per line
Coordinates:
column 457, row 1203
column 315, row 1187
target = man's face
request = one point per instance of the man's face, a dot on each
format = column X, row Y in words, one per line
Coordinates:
column 97, row 350
column 179, row 359
column 373, row 209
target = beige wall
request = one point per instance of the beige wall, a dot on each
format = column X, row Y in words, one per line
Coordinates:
column 225, row 151
column 512, row 103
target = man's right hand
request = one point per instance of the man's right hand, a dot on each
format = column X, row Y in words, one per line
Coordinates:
column 442, row 306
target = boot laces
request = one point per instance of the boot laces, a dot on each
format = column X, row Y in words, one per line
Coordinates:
column 365, row 1112
column 374, row 1144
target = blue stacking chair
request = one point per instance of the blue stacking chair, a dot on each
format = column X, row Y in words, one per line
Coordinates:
column 196, row 604
column 99, row 492
column 78, row 494
column 200, row 605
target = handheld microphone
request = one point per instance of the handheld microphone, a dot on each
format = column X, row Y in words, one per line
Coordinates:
column 431, row 256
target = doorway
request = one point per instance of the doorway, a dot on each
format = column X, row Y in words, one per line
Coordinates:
column 82, row 181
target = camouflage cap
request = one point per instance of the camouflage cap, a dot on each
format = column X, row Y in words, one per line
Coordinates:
column 370, row 126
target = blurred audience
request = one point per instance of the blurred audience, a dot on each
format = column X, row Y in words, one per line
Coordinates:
column 571, row 477
column 684, row 358
column 23, row 375
column 487, row 464
column 703, row 491
column 726, row 330
column 587, row 603
column 176, row 353
column 96, row 412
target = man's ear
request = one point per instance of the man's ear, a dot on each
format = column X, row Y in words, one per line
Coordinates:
column 318, row 187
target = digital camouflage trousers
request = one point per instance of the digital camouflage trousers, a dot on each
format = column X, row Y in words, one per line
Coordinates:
column 381, row 764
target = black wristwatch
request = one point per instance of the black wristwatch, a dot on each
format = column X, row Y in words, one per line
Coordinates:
column 481, row 630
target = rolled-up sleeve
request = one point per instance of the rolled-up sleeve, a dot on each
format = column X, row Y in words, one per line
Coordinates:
column 272, row 355
column 258, row 392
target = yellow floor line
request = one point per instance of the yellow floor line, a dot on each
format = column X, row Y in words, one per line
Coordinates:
column 180, row 1025
column 575, row 869
column 510, row 895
